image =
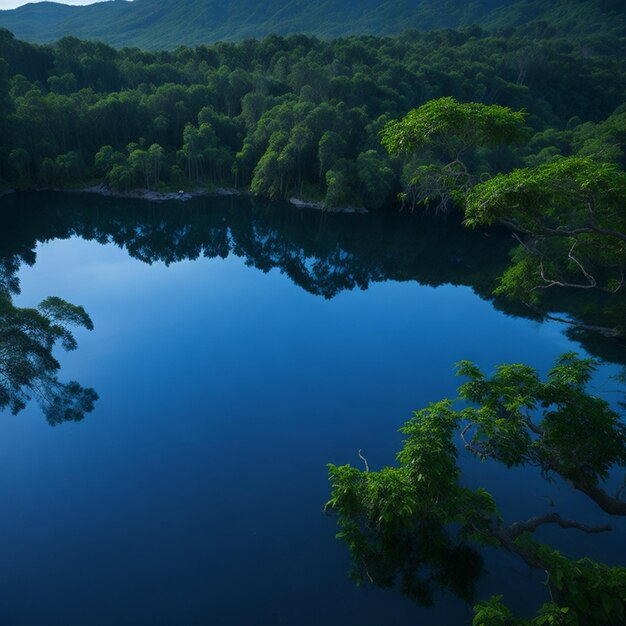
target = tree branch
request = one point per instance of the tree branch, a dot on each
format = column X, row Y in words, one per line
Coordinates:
column 613, row 505
column 518, row 528
column 367, row 467
column 603, row 330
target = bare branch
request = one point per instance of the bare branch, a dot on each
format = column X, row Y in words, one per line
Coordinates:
column 589, row 277
column 367, row 467
column 603, row 330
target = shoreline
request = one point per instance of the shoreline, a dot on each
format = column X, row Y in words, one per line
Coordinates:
column 154, row 196
column 150, row 195
column 300, row 203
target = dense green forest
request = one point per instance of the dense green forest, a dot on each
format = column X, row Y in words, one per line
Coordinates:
column 296, row 115
column 512, row 126
column 163, row 24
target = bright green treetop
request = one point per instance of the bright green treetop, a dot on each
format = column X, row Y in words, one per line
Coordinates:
column 418, row 526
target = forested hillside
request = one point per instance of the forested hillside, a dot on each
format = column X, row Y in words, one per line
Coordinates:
column 293, row 115
column 162, row 24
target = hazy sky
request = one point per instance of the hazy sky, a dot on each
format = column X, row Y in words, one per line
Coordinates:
column 11, row 4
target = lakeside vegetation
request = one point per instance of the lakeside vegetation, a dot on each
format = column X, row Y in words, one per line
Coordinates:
column 417, row 526
column 524, row 129
column 296, row 115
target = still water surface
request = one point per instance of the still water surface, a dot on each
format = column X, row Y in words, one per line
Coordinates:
column 238, row 349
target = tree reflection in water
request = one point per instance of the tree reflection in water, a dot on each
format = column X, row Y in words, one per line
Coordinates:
column 28, row 368
column 323, row 254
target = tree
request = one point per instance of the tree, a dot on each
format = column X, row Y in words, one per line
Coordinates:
column 69, row 167
column 106, row 158
column 574, row 200
column 20, row 160
column 28, row 367
column 516, row 419
column 141, row 165
column 331, row 148
column 156, row 155
column 339, row 191
column 450, row 130
column 376, row 178
column 568, row 216
column 120, row 177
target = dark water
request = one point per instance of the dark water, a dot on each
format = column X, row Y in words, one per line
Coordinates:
column 238, row 349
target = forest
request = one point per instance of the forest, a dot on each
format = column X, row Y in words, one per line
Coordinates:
column 488, row 156
column 168, row 24
column 295, row 115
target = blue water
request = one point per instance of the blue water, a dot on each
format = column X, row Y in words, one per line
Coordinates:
column 193, row 493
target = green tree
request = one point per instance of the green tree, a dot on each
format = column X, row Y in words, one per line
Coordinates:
column 28, row 367
column 120, row 177
column 449, row 129
column 106, row 158
column 339, row 191
column 331, row 148
column 141, row 165
column 156, row 156
column 569, row 218
column 20, row 160
column 516, row 419
column 69, row 167
column 376, row 178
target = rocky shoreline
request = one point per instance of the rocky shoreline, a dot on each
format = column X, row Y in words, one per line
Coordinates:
column 157, row 196
column 183, row 196
column 319, row 206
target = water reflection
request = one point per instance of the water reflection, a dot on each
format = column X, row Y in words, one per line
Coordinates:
column 421, row 561
column 27, row 366
column 321, row 253
column 125, row 509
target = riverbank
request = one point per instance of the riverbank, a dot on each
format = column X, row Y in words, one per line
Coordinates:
column 151, row 195
column 182, row 196
column 157, row 196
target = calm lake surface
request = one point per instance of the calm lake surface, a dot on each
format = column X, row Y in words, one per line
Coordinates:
column 237, row 350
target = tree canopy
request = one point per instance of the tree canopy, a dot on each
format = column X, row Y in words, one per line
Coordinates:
column 28, row 367
column 449, row 129
column 515, row 418
column 297, row 116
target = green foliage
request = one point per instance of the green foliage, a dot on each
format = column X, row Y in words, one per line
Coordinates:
column 159, row 24
column 493, row 612
column 522, row 420
column 452, row 128
column 515, row 418
column 219, row 112
column 559, row 193
column 27, row 365
column 449, row 129
column 569, row 213
column 588, row 592
column 394, row 520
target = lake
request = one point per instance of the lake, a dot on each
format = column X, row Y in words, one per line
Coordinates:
column 238, row 348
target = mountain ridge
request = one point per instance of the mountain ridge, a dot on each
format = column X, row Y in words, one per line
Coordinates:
column 163, row 24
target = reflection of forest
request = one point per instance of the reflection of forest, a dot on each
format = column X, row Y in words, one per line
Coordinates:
column 28, row 367
column 322, row 253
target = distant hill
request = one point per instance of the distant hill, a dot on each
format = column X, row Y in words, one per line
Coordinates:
column 161, row 24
